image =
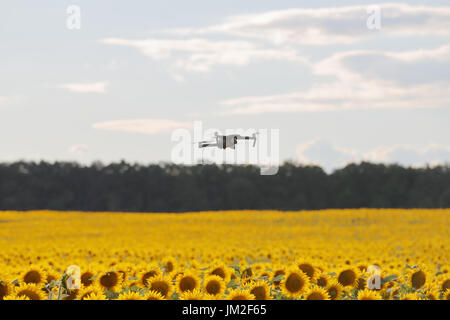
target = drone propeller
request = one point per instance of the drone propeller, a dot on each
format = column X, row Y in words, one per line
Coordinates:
column 254, row 138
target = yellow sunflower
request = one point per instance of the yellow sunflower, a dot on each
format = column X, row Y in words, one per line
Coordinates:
column 88, row 275
column 153, row 295
column 169, row 264
column 214, row 285
column 335, row 290
column 110, row 280
column 367, row 294
column 432, row 294
column 446, row 295
column 416, row 277
column 195, row 294
column 187, row 281
column 5, row 288
column 150, row 271
column 14, row 297
column 239, row 294
column 261, row 290
column 161, row 284
column 95, row 296
column 31, row 290
column 317, row 293
column 294, row 283
column 221, row 270
column 411, row 296
column 33, row 275
column 308, row 269
column 443, row 281
column 323, row 280
column 84, row 292
column 348, row 277
column 130, row 295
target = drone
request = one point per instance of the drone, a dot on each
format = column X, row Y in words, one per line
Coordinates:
column 228, row 141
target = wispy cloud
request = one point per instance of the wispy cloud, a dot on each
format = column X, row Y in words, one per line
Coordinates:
column 88, row 87
column 201, row 55
column 330, row 156
column 146, row 126
column 364, row 80
column 323, row 26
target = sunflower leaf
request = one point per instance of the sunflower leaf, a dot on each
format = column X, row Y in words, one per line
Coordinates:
column 232, row 284
column 278, row 278
column 389, row 278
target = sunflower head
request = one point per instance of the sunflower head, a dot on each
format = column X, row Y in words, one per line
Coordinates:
column 5, row 288
column 153, row 295
column 446, row 295
column 188, row 281
column 130, row 295
column 323, row 280
column 31, row 290
column 443, row 282
column 195, row 294
column 317, row 293
column 214, row 285
column 308, row 268
column 84, row 292
column 240, row 294
column 33, row 274
column 417, row 277
column 260, row 289
column 221, row 270
column 150, row 271
column 335, row 290
column 295, row 282
column 367, row 294
column 161, row 284
column 169, row 264
column 110, row 280
column 95, row 296
column 348, row 277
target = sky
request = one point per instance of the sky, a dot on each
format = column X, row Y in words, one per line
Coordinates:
column 342, row 81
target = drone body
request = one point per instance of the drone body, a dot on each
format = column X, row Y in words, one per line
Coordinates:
column 228, row 141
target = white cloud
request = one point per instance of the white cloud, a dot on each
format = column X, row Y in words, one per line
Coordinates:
column 364, row 80
column 330, row 156
column 322, row 26
column 201, row 55
column 80, row 149
column 91, row 87
column 146, row 126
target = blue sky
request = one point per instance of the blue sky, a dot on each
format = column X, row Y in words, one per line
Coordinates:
column 117, row 87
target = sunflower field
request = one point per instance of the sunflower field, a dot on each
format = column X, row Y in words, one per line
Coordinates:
column 363, row 254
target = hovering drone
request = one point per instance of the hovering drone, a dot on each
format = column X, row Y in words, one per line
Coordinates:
column 229, row 141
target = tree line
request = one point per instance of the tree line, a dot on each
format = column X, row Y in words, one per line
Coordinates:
column 175, row 188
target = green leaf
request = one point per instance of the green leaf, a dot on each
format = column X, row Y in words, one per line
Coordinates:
column 278, row 278
column 232, row 284
column 389, row 278
column 15, row 282
column 331, row 274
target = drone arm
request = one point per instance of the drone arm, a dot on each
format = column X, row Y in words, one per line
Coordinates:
column 253, row 137
column 205, row 145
